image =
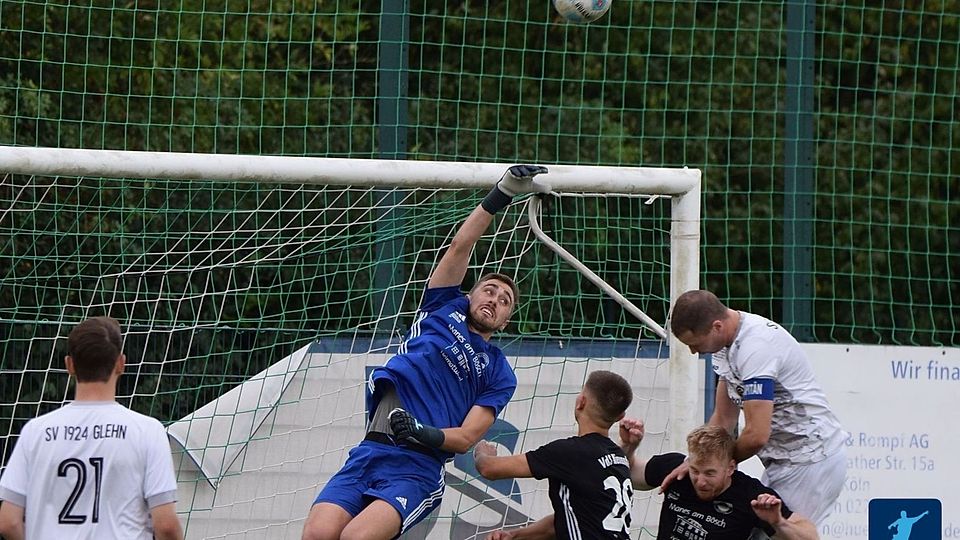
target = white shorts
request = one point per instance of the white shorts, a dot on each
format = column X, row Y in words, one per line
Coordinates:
column 810, row 490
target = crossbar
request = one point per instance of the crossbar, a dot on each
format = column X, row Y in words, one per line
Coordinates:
column 334, row 171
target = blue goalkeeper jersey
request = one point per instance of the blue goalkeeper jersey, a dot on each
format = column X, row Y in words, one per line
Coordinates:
column 442, row 369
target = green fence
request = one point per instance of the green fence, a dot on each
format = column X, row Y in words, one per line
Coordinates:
column 826, row 133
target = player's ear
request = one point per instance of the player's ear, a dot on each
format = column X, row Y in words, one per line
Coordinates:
column 68, row 361
column 581, row 401
column 121, row 363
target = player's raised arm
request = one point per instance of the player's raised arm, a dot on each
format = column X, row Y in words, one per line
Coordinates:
column 796, row 527
column 453, row 265
column 631, row 434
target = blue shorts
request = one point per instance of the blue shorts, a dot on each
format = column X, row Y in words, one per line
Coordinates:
column 408, row 480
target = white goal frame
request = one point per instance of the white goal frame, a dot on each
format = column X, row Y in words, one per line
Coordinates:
column 682, row 185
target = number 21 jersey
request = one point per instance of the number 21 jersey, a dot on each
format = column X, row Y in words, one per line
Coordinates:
column 90, row 470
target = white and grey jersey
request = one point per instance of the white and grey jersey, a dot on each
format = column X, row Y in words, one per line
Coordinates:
column 766, row 362
column 90, row 470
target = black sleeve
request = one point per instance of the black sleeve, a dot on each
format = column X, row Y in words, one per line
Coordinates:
column 558, row 459
column 759, row 488
column 659, row 466
column 784, row 509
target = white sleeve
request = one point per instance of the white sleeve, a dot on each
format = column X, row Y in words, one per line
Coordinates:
column 159, row 481
column 760, row 361
column 13, row 484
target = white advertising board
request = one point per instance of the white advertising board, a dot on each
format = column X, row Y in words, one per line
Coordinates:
column 258, row 455
column 265, row 458
column 899, row 405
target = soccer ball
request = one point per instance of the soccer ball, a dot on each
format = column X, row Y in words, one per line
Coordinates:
column 581, row 11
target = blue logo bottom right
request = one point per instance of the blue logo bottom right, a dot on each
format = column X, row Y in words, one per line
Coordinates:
column 905, row 519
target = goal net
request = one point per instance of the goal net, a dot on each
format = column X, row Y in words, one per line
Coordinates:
column 253, row 311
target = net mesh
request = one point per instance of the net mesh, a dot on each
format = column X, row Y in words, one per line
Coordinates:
column 854, row 126
column 215, row 283
column 654, row 84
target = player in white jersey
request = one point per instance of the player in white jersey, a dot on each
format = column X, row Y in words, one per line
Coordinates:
column 764, row 372
column 92, row 469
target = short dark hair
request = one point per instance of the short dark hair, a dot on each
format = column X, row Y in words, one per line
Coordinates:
column 695, row 311
column 503, row 278
column 94, row 346
column 612, row 394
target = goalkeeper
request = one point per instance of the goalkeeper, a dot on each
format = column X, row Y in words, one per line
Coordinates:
column 435, row 398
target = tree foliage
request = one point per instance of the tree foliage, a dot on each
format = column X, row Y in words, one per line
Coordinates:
column 653, row 84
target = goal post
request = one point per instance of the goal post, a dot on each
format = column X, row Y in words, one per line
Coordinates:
column 683, row 185
column 313, row 222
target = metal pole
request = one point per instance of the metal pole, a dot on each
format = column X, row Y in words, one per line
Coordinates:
column 800, row 155
column 392, row 120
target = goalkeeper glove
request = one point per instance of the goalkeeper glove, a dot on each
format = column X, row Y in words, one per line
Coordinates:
column 406, row 427
column 518, row 179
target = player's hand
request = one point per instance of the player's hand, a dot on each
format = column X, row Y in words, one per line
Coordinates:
column 403, row 424
column 500, row 535
column 677, row 474
column 406, row 427
column 631, row 433
column 484, row 449
column 520, row 179
column 767, row 508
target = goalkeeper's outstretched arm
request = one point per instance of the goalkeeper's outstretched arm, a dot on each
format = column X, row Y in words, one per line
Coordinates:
column 453, row 265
